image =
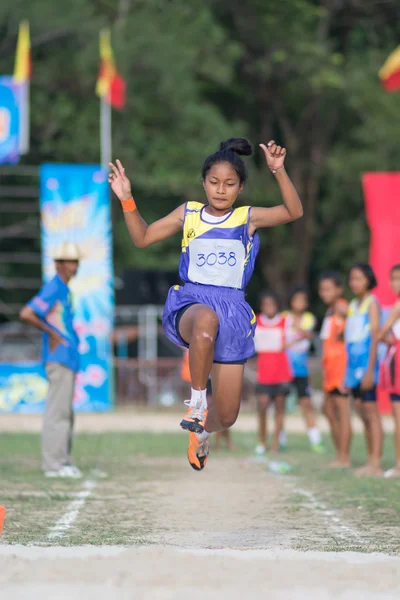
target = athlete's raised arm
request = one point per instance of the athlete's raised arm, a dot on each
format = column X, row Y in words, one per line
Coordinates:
column 291, row 209
column 142, row 235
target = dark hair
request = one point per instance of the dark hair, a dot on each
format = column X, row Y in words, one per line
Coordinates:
column 270, row 294
column 333, row 276
column 230, row 151
column 367, row 271
column 395, row 268
column 300, row 289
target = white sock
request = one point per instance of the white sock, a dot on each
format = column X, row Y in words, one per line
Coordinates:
column 202, row 436
column 283, row 438
column 198, row 398
column 314, row 435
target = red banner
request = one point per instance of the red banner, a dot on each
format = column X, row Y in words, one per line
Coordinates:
column 382, row 205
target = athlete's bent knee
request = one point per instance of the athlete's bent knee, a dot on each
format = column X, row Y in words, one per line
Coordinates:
column 227, row 421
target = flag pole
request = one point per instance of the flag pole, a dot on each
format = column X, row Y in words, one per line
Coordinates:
column 24, row 136
column 105, row 132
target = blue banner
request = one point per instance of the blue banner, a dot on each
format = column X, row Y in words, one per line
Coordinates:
column 75, row 207
column 9, row 120
column 23, row 388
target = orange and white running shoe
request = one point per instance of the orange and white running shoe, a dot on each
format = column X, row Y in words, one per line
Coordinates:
column 195, row 418
column 197, row 452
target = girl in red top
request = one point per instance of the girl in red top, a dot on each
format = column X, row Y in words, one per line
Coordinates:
column 273, row 368
column 390, row 368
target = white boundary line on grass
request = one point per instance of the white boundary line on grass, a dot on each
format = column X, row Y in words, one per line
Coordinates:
column 333, row 520
column 65, row 522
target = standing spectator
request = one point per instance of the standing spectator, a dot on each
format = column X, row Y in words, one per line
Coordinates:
column 51, row 312
column 390, row 368
column 273, row 369
column 336, row 400
column 300, row 325
column 361, row 337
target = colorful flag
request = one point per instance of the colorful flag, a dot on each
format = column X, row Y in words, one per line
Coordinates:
column 110, row 85
column 390, row 72
column 23, row 63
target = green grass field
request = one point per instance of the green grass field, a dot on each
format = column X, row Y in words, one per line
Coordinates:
column 139, row 467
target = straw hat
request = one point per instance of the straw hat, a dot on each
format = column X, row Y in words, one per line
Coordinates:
column 67, row 251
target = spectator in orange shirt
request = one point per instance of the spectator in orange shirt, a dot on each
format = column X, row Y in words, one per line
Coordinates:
column 337, row 404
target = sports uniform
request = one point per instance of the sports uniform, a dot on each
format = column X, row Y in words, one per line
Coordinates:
column 298, row 352
column 216, row 263
column 333, row 350
column 358, row 340
column 390, row 367
column 273, row 367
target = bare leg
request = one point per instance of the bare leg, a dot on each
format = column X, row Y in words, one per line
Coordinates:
column 396, row 415
column 225, row 435
column 342, row 404
column 331, row 414
column 263, row 401
column 218, row 437
column 376, row 433
column 395, row 473
column 227, row 384
column 360, row 411
column 306, row 407
column 280, row 402
column 231, row 447
column 198, row 327
column 374, row 438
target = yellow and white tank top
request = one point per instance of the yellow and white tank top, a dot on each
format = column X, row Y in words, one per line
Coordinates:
column 217, row 252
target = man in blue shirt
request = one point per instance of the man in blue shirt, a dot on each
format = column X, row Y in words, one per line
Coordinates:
column 51, row 312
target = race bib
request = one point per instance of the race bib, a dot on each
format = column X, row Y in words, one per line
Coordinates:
column 268, row 339
column 216, row 262
column 356, row 329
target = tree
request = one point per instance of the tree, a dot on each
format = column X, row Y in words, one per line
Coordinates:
column 308, row 77
column 169, row 53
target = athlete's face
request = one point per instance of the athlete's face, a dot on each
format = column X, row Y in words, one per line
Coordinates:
column 329, row 292
column 269, row 307
column 299, row 302
column 358, row 282
column 222, row 187
column 395, row 281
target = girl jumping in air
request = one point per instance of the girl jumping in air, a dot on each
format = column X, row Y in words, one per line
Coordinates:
column 209, row 314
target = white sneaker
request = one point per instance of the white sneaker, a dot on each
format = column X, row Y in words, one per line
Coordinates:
column 66, row 472
column 260, row 450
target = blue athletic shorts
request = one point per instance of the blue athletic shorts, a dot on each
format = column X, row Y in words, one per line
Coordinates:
column 237, row 323
column 395, row 397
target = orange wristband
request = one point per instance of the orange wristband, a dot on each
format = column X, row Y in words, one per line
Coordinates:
column 128, row 205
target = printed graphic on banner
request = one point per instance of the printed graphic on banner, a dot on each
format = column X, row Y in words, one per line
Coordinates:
column 9, row 121
column 75, row 207
column 23, row 388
